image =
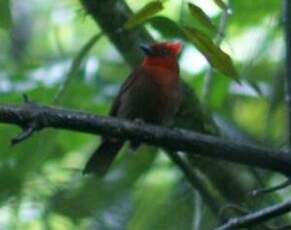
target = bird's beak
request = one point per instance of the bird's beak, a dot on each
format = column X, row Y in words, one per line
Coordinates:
column 146, row 49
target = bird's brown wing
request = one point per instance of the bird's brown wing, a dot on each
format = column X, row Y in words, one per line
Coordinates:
column 124, row 87
column 102, row 158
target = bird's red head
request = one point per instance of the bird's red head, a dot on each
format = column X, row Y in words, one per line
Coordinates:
column 162, row 54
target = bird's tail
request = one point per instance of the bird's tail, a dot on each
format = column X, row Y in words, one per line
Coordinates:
column 103, row 157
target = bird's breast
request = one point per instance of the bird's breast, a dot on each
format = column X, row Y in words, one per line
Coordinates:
column 151, row 99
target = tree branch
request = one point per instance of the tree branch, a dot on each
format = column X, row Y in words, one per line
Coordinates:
column 127, row 43
column 207, row 194
column 208, row 81
column 258, row 217
column 263, row 191
column 287, row 27
column 173, row 139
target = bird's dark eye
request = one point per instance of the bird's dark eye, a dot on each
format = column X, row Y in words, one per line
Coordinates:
column 163, row 52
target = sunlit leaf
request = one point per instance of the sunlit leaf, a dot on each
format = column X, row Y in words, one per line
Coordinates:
column 5, row 14
column 167, row 27
column 216, row 57
column 142, row 15
column 201, row 17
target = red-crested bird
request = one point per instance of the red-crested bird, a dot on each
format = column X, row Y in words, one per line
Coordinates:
column 151, row 93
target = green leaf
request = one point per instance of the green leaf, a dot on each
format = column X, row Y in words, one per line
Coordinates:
column 142, row 15
column 218, row 92
column 201, row 17
column 255, row 86
column 5, row 14
column 167, row 27
column 75, row 66
column 86, row 195
column 177, row 209
column 216, row 57
column 221, row 4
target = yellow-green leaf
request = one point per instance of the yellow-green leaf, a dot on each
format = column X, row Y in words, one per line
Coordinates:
column 216, row 57
column 5, row 14
column 143, row 14
column 201, row 17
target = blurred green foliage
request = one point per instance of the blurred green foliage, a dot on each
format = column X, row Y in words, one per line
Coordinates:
column 41, row 182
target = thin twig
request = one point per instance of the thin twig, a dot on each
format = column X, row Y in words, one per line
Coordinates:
column 27, row 129
column 195, row 181
column 240, row 210
column 218, row 39
column 234, row 207
column 275, row 188
column 257, row 217
column 74, row 67
column 287, row 27
column 198, row 212
column 25, row 134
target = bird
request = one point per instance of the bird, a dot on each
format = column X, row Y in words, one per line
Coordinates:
column 152, row 94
